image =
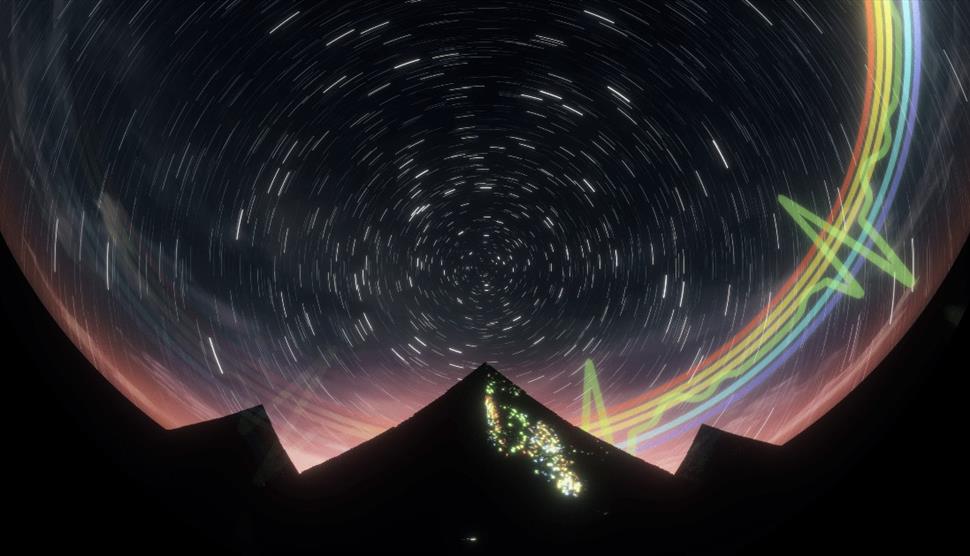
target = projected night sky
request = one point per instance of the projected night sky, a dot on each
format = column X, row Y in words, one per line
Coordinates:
column 693, row 211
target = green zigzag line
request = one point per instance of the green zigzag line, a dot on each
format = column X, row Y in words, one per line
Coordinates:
column 886, row 260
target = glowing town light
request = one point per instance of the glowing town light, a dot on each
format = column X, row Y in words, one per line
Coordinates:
column 511, row 431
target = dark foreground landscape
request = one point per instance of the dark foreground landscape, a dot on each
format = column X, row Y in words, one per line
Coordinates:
column 88, row 470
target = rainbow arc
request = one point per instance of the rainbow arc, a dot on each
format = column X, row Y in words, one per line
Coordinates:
column 840, row 243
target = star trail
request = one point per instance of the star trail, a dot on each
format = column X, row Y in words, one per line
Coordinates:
column 338, row 210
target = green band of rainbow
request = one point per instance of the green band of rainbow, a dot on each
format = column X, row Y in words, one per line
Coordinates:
column 822, row 278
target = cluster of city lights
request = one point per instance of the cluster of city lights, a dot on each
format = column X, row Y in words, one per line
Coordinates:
column 513, row 432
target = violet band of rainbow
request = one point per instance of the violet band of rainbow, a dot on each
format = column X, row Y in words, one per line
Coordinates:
column 884, row 76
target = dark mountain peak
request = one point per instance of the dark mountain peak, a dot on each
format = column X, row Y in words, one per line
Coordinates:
column 487, row 422
column 467, row 393
column 715, row 452
column 483, row 372
column 245, row 440
column 474, row 382
column 484, row 459
column 489, row 448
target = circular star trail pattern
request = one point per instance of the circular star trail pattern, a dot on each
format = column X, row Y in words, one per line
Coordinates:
column 339, row 209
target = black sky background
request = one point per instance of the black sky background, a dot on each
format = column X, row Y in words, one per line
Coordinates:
column 138, row 93
column 361, row 201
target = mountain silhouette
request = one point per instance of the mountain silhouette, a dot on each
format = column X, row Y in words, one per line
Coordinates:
column 94, row 471
column 444, row 462
column 435, row 481
column 243, row 444
column 715, row 455
column 438, row 482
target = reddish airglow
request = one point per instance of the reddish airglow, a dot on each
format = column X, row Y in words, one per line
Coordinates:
column 309, row 437
column 173, row 386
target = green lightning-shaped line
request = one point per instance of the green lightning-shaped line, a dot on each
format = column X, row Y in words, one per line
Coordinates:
column 888, row 261
column 844, row 282
column 828, row 240
column 592, row 394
